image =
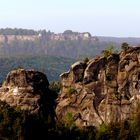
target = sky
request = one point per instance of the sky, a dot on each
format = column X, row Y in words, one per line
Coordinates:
column 118, row 18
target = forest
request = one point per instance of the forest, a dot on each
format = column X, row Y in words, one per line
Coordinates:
column 50, row 65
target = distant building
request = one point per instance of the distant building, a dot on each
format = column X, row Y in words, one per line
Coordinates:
column 87, row 35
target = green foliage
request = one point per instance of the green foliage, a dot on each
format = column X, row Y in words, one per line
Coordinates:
column 51, row 66
column 16, row 125
column 11, row 122
column 86, row 60
column 80, row 75
column 71, row 90
column 15, row 31
column 124, row 46
column 68, row 32
column 107, row 51
column 102, row 132
column 55, row 86
column 110, row 48
column 44, row 45
column 69, row 120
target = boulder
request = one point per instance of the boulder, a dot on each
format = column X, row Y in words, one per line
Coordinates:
column 26, row 90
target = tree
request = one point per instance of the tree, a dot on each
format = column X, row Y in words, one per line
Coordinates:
column 108, row 51
column 86, row 60
column 124, row 46
column 68, row 32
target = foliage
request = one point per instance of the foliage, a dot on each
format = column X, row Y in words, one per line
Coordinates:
column 68, row 32
column 55, row 86
column 71, row 90
column 69, row 120
column 108, row 51
column 124, row 46
column 51, row 66
column 43, row 44
column 86, row 60
column 16, row 124
column 15, row 31
column 80, row 75
column 11, row 122
column 102, row 132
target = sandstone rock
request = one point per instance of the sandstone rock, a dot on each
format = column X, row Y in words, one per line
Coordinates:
column 108, row 92
column 25, row 89
column 75, row 74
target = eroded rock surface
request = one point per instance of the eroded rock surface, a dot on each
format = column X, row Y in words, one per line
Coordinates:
column 25, row 89
column 105, row 89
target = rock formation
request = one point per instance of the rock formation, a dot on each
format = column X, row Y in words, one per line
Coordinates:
column 27, row 90
column 103, row 90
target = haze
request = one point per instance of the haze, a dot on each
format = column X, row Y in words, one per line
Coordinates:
column 118, row 18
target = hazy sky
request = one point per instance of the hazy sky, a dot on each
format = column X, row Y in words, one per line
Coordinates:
column 99, row 17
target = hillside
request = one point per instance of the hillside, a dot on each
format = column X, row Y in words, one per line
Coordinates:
column 119, row 40
column 69, row 44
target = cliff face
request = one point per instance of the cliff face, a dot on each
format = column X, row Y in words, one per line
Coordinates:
column 105, row 89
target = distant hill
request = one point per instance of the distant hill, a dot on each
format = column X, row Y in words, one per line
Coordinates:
column 69, row 44
column 120, row 40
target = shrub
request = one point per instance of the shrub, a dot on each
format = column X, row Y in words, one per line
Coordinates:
column 105, row 53
column 103, row 132
column 55, row 86
column 86, row 60
column 71, row 90
column 80, row 75
column 69, row 120
column 124, row 46
column 108, row 51
column 11, row 122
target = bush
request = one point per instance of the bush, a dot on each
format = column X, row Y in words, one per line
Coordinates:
column 102, row 133
column 11, row 122
column 71, row 90
column 80, row 76
column 69, row 120
column 108, row 51
column 55, row 86
column 124, row 46
column 86, row 60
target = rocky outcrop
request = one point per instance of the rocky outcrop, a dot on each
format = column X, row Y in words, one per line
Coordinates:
column 103, row 90
column 28, row 91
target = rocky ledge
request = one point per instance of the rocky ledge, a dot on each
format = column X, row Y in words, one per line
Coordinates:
column 102, row 90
